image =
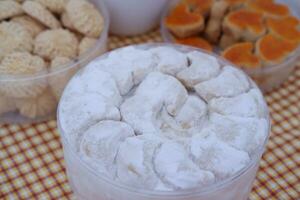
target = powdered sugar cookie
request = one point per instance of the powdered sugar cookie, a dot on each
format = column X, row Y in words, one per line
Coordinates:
column 56, row 6
column 9, row 8
column 42, row 105
column 31, row 25
column 22, row 63
column 86, row 44
column 58, row 81
column 14, row 37
column 40, row 13
column 52, row 43
column 6, row 105
column 85, row 17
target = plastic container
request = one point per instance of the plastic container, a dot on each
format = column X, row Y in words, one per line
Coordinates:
column 60, row 77
column 267, row 78
column 87, row 184
column 133, row 17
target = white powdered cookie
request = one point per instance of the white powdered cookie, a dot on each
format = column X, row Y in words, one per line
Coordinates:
column 53, row 43
column 202, row 68
column 154, row 93
column 105, row 85
column 245, row 134
column 60, row 77
column 230, row 82
column 85, row 17
column 43, row 105
column 134, row 162
column 100, row 144
column 170, row 61
column 19, row 64
column 86, row 44
column 14, row 37
column 41, row 14
column 85, row 111
column 56, row 6
column 216, row 156
column 188, row 121
column 31, row 25
column 244, row 105
column 9, row 8
column 171, row 158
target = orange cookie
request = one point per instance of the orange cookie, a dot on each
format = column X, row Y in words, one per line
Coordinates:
column 269, row 8
column 242, row 55
column 183, row 23
column 244, row 24
column 273, row 50
column 196, row 42
column 200, row 6
column 285, row 28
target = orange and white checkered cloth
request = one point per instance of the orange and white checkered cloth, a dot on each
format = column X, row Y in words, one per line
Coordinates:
column 32, row 164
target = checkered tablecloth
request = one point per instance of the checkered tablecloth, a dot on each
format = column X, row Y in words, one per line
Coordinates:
column 32, row 164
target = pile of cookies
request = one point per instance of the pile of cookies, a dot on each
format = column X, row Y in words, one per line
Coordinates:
column 38, row 37
column 250, row 33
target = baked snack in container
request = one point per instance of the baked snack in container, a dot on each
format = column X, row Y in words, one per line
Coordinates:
column 175, row 123
column 231, row 25
column 39, row 54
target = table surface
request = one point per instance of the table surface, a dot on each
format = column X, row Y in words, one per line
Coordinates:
column 32, row 164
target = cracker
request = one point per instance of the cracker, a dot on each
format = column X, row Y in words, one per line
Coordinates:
column 14, row 37
column 41, row 106
column 52, row 43
column 66, row 21
column 58, row 81
column 85, row 17
column 86, row 44
column 40, row 13
column 31, row 25
column 23, row 63
column 9, row 8
column 56, row 6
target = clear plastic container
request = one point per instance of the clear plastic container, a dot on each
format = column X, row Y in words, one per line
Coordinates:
column 267, row 78
column 87, row 184
column 14, row 110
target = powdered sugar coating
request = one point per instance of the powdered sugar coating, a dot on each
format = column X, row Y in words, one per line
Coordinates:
column 182, row 138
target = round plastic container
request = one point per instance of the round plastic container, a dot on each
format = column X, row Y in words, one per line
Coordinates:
column 87, row 184
column 32, row 109
column 268, row 77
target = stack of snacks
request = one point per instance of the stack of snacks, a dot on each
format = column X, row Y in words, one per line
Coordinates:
column 42, row 44
column 253, row 34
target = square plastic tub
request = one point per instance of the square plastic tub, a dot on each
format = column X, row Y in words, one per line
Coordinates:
column 47, row 106
column 88, row 184
column 268, row 77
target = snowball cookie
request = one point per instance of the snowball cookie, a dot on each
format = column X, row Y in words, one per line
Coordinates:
column 41, row 14
column 9, row 8
column 59, row 42
column 85, row 17
column 14, row 37
column 134, row 162
column 217, row 156
column 176, row 169
column 101, row 143
column 230, row 82
column 155, row 92
column 202, row 68
column 23, row 64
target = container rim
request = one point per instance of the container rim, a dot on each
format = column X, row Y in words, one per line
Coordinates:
column 168, row 37
column 182, row 193
column 78, row 61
